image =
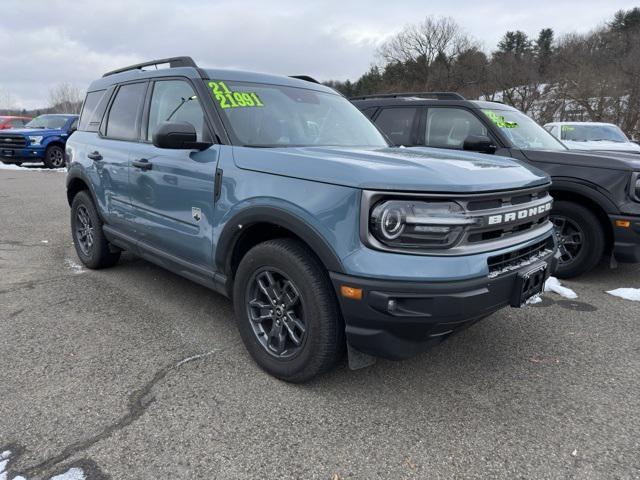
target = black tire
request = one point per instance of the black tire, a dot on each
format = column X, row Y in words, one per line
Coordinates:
column 54, row 157
column 579, row 222
column 321, row 344
column 98, row 254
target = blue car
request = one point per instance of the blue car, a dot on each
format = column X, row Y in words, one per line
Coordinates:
column 278, row 193
column 43, row 139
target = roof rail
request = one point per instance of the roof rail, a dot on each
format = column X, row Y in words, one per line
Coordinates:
column 306, row 78
column 435, row 95
column 174, row 62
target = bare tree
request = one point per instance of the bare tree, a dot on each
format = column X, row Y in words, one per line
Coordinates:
column 65, row 98
column 7, row 102
column 428, row 47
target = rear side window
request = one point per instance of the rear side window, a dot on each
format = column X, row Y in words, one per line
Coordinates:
column 122, row 122
column 449, row 127
column 397, row 124
column 91, row 113
column 175, row 101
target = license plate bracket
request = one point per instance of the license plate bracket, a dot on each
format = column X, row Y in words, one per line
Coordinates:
column 529, row 283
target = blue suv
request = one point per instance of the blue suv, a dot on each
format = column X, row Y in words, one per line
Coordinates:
column 43, row 139
column 278, row 193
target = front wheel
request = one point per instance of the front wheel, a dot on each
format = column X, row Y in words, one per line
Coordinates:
column 286, row 311
column 91, row 245
column 580, row 238
column 54, row 157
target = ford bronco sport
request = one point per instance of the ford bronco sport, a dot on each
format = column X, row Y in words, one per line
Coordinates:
column 277, row 192
column 597, row 195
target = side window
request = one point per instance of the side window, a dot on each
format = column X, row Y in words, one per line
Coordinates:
column 174, row 100
column 17, row 123
column 91, row 115
column 122, row 122
column 449, row 127
column 397, row 123
column 74, row 125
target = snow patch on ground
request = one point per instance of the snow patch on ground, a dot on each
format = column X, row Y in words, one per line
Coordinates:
column 553, row 285
column 71, row 474
column 626, row 293
column 74, row 267
column 535, row 299
column 11, row 166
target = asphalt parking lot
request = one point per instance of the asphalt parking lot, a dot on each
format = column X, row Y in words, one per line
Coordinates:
column 135, row 373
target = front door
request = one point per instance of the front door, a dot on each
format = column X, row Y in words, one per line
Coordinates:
column 172, row 191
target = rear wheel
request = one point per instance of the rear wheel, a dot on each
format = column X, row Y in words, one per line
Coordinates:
column 580, row 238
column 54, row 157
column 286, row 311
column 91, row 245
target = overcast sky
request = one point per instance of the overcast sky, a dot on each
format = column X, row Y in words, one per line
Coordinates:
column 51, row 41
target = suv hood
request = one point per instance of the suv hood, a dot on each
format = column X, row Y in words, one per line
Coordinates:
column 610, row 160
column 399, row 169
column 603, row 145
column 32, row 131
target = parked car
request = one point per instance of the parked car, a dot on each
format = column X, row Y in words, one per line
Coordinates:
column 597, row 194
column 592, row 136
column 277, row 192
column 7, row 122
column 42, row 139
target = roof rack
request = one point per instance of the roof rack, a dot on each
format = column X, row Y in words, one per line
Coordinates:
column 306, row 78
column 174, row 62
column 436, row 95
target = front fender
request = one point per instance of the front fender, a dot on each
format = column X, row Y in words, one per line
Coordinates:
column 287, row 216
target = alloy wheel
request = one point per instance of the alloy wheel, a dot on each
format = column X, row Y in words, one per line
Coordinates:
column 84, row 230
column 56, row 157
column 276, row 312
column 570, row 238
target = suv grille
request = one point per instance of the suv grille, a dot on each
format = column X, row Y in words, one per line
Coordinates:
column 506, row 214
column 507, row 262
column 12, row 141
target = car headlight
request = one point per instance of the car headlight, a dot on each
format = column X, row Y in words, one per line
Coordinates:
column 418, row 224
column 635, row 186
column 35, row 140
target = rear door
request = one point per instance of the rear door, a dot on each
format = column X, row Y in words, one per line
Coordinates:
column 111, row 152
column 399, row 124
column 172, row 191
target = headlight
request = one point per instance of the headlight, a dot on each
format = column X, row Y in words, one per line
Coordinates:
column 418, row 224
column 35, row 140
column 634, row 187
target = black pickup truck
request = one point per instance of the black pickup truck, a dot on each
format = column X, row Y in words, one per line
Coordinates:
column 597, row 195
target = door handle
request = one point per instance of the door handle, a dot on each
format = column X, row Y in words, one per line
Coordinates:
column 142, row 164
column 94, row 156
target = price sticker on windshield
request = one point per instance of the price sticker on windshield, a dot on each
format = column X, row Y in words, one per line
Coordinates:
column 229, row 99
column 499, row 120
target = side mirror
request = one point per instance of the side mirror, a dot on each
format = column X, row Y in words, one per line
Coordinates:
column 178, row 136
column 479, row 143
column 71, row 130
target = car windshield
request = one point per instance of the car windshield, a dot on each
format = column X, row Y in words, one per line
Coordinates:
column 592, row 133
column 522, row 131
column 262, row 115
column 47, row 121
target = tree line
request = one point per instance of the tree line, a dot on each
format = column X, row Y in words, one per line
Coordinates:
column 593, row 76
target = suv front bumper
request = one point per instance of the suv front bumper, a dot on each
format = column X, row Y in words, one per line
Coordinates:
column 423, row 313
column 626, row 240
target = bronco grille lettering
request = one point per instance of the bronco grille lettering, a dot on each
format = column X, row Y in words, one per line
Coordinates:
column 519, row 214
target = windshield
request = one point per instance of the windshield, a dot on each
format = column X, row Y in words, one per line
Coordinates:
column 261, row 115
column 522, row 131
column 592, row 133
column 47, row 121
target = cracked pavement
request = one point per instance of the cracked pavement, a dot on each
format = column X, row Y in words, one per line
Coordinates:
column 90, row 376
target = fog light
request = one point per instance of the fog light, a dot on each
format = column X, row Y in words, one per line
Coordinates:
column 623, row 223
